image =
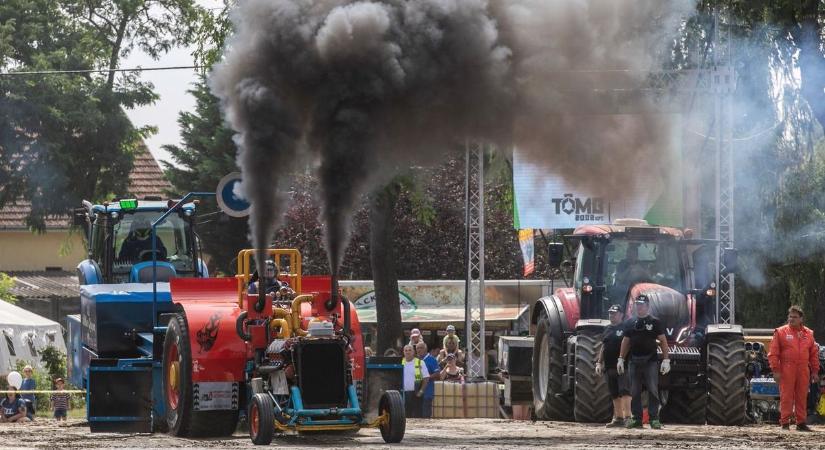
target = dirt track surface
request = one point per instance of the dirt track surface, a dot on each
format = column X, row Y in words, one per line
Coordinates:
column 428, row 434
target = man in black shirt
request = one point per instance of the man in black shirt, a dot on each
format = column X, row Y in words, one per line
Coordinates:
column 639, row 343
column 608, row 358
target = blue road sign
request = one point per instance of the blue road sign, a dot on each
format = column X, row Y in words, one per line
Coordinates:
column 229, row 199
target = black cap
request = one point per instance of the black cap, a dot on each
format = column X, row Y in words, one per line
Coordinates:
column 614, row 308
column 642, row 298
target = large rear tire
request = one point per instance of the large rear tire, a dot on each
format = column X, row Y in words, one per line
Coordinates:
column 391, row 403
column 685, row 406
column 261, row 419
column 727, row 385
column 591, row 395
column 177, row 388
column 549, row 402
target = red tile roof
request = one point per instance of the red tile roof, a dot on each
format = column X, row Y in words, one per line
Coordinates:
column 145, row 179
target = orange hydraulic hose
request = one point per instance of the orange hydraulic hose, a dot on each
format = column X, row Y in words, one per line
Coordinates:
column 296, row 313
column 286, row 331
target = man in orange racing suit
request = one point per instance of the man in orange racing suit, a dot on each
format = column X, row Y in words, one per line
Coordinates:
column 795, row 364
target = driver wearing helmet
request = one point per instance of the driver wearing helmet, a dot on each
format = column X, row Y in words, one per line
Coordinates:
column 138, row 243
column 270, row 273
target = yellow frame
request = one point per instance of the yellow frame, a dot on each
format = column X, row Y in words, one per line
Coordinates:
column 244, row 267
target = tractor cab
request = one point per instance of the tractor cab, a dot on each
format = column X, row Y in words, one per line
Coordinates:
column 120, row 242
column 616, row 262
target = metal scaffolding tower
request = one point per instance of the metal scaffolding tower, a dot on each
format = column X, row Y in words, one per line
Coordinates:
column 474, row 282
column 723, row 82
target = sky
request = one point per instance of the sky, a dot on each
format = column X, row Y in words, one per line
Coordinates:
column 172, row 86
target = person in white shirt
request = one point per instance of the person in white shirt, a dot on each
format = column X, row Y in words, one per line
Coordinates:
column 416, row 377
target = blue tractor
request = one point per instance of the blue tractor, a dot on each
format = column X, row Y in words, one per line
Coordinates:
column 116, row 344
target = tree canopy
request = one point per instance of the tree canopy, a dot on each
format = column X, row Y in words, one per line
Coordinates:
column 64, row 136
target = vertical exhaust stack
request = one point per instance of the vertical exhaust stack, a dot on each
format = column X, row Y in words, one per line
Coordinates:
column 334, row 299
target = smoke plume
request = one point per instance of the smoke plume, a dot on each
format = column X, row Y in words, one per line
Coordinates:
column 366, row 88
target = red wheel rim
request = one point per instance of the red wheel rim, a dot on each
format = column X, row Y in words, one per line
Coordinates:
column 173, row 383
column 254, row 419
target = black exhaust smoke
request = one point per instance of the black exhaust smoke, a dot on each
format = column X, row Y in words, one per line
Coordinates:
column 368, row 88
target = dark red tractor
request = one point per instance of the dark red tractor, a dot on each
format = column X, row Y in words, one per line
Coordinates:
column 613, row 264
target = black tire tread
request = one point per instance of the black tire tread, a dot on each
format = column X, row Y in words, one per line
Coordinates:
column 727, row 383
column 685, row 406
column 192, row 423
column 554, row 407
column 392, row 401
column 591, row 395
column 266, row 416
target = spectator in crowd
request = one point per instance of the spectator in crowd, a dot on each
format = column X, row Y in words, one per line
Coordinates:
column 390, row 352
column 794, row 360
column 451, row 346
column 451, row 336
column 368, row 352
column 416, row 377
column 451, row 371
column 29, row 384
column 60, row 401
column 13, row 407
column 432, row 368
column 415, row 337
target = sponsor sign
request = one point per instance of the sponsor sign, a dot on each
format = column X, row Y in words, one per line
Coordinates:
column 544, row 199
column 214, row 395
column 367, row 301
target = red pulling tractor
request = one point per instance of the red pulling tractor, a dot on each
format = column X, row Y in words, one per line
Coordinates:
column 614, row 263
column 293, row 359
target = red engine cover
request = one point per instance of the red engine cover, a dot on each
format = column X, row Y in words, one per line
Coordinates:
column 211, row 307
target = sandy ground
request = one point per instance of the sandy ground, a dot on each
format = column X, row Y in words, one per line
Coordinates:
column 428, row 434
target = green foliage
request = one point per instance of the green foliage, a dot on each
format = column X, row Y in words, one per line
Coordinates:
column 65, row 137
column 6, row 284
column 54, row 360
column 210, row 37
column 206, row 154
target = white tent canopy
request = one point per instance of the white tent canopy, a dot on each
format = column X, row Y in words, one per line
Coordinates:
column 24, row 333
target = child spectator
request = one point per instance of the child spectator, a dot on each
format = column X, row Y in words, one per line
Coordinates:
column 13, row 407
column 450, row 336
column 29, row 384
column 60, row 401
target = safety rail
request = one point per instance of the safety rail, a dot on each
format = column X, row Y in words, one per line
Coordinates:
column 245, row 267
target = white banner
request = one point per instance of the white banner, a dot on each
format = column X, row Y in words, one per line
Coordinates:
column 546, row 200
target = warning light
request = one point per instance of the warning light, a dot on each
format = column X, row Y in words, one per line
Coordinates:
column 128, row 204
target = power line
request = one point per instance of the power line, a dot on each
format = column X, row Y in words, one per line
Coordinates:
column 81, row 71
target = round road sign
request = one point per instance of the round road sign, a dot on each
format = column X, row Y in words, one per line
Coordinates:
column 229, row 197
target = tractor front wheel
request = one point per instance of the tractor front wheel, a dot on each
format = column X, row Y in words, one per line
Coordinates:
column 261, row 419
column 549, row 402
column 592, row 397
column 392, row 429
column 727, row 384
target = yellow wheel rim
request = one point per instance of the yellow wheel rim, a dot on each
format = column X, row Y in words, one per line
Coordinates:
column 174, row 367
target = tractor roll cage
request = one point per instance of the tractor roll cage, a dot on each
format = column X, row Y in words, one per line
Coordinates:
column 291, row 276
